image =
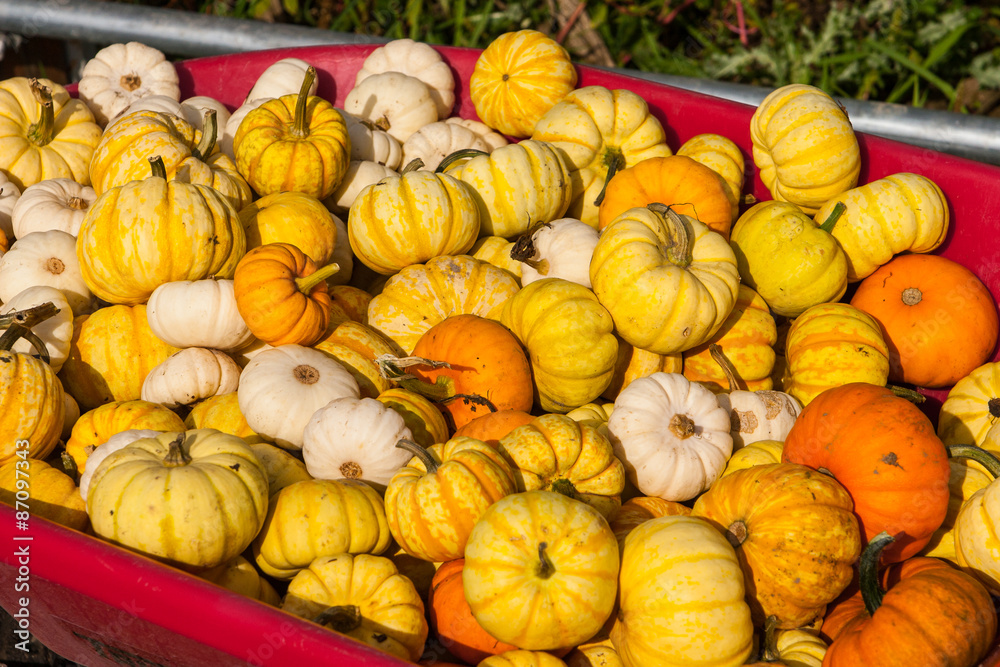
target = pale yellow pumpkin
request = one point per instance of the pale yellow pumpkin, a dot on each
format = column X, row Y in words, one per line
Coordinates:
column 97, row 426
column 719, row 154
column 972, row 407
column 291, row 217
column 47, row 492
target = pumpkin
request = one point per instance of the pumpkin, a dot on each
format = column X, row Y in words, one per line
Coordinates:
column 363, row 597
column 52, row 494
column 720, row 155
column 568, row 335
column 528, row 557
column 971, row 407
column 684, row 185
column 668, row 281
column 197, row 313
column 496, row 250
column 310, row 519
column 222, row 412
column 56, row 332
column 9, row 194
column 883, row 450
column 214, row 476
column 282, row 77
column 757, row 453
column 556, row 453
column 634, row 362
column 100, row 424
column 492, row 426
column 636, row 511
column 433, row 502
column 397, row 103
column 355, row 438
column 421, row 416
column 45, row 259
column 594, row 656
column 281, row 467
column 282, row 387
column 294, row 143
column 671, row 434
column 46, row 133
column 371, row 144
column 966, row 478
column 418, row 60
column 295, row 218
column 791, row 261
column 562, row 248
column 111, row 353
column 282, row 296
column 120, row 74
column 931, row 612
column 148, row 232
column 976, row 526
column 421, row 295
column 240, row 576
column 672, row 611
column 190, row 375
column 598, row 128
column 920, row 301
column 830, row 345
column 102, row 451
column 412, row 218
column 349, row 303
column 359, row 175
column 522, row 658
column 358, row 348
column 433, row 142
column 55, row 203
column 804, row 146
column 492, row 138
column 795, row 533
column 519, row 77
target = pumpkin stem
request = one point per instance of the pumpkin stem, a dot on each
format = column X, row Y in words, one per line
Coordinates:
column 737, row 533
column 209, row 135
column 546, row 568
column 524, row 250
column 769, row 649
column 75, row 203
column 977, row 454
column 682, row 426
column 838, row 210
column 912, row 296
column 416, row 164
column 727, row 367
column 19, row 323
column 871, row 592
column 68, row 464
column 474, row 399
column 343, row 618
column 678, row 232
column 306, row 284
column 748, row 200
column 391, row 367
column 565, row 487
column 912, row 395
column 993, row 406
column 615, row 162
column 176, row 456
column 40, row 133
column 460, row 154
column 300, row 127
column 430, row 464
column 157, row 168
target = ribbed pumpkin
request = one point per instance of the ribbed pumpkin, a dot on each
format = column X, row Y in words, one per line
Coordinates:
column 148, row 232
column 420, row 415
column 281, row 467
column 52, row 493
column 295, row 218
column 636, row 511
column 634, row 363
column 972, row 407
column 96, row 426
column 976, row 523
column 357, row 347
column 719, row 154
column 221, row 412
column 757, row 453
column 494, row 425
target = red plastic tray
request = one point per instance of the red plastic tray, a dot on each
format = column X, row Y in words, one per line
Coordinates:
column 101, row 605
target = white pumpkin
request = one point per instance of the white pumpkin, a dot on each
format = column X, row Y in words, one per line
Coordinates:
column 418, row 60
column 45, row 258
column 283, row 77
column 360, row 174
column 342, row 256
column 9, row 194
column 192, row 109
column 56, row 332
column 355, row 438
column 563, row 249
column 55, row 203
column 198, row 313
column 158, row 103
column 190, row 375
column 71, row 414
column 243, row 355
column 282, row 387
column 671, row 434
column 370, row 144
column 233, row 124
column 492, row 138
column 434, row 142
column 114, row 443
column 120, row 74
column 393, row 102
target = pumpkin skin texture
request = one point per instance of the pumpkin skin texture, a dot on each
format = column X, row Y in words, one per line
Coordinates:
column 54, row 495
column 522, row 658
column 215, row 476
column 883, row 450
column 295, row 218
column 518, row 78
column 971, row 408
column 568, row 335
column 795, row 534
column 721, row 155
column 685, row 185
column 96, row 426
column 492, row 426
column 757, row 453
column 668, row 281
column 636, row 511
column 388, row 613
column 804, row 146
column 635, row 363
column 421, row 416
column 531, row 554
column 282, row 468
column 921, row 301
column 966, row 479
column 669, row 614
column 240, row 576
column 314, row 518
column 32, row 407
column 222, row 412
column 357, row 346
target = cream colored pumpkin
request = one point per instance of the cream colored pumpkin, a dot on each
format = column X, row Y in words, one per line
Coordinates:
column 394, row 102
column 190, row 375
column 49, row 259
column 9, row 194
column 282, row 387
column 197, row 313
column 371, row 144
column 56, row 203
column 192, row 109
column 118, row 441
column 415, row 59
column 283, row 77
column 360, row 174
column 233, row 124
column 120, row 74
column 435, row 141
column 492, row 138
column 563, row 249
column 671, row 434
column 56, row 332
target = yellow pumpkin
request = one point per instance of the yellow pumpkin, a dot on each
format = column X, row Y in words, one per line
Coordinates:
column 363, row 597
column 140, row 235
column 600, row 130
column 281, row 467
column 635, row 363
column 668, row 281
column 47, row 492
column 522, row 658
column 804, row 146
column 719, row 154
column 965, row 480
column 221, row 412
column 518, row 78
column 568, row 335
column 972, row 407
column 496, row 250
column 977, row 524
column 757, row 453
column 531, row 557
column 96, row 426
column 357, row 347
column 240, row 576
column 424, row 419
column 291, row 217
column 44, row 133
column 144, row 496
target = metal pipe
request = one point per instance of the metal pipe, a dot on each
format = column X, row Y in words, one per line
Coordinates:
column 191, row 35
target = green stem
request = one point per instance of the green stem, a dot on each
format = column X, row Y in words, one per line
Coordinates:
column 871, row 592
column 727, row 367
column 546, row 568
column 615, row 162
column 40, row 133
column 156, row 166
column 565, row 487
column 300, row 127
column 977, row 454
column 912, row 395
column 456, row 156
column 838, row 210
column 209, row 135
column 678, row 231
column 19, row 323
column 307, row 283
column 430, row 464
column 416, row 164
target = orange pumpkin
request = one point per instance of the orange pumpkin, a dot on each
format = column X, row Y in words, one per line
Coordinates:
column 938, row 318
column 688, row 187
column 494, row 425
column 884, row 451
column 281, row 295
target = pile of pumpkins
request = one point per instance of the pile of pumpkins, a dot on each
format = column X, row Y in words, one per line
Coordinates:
column 527, row 390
